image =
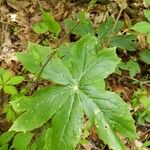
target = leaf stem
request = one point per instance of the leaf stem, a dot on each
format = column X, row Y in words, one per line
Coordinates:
column 54, row 52
column 114, row 26
column 139, row 81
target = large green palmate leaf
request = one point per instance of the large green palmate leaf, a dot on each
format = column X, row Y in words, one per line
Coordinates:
column 39, row 108
column 81, row 92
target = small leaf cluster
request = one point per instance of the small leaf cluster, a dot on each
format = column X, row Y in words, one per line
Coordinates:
column 47, row 25
column 132, row 66
column 143, row 27
column 141, row 102
column 8, row 82
column 20, row 141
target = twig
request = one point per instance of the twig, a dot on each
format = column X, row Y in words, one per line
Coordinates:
column 7, row 23
column 40, row 4
column 54, row 52
column 2, row 97
column 114, row 26
column 139, row 81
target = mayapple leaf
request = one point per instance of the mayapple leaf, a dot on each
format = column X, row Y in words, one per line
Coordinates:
column 103, row 127
column 28, row 62
column 39, row 108
column 41, row 51
column 83, row 53
column 34, row 58
column 1, row 71
column 78, row 93
column 109, row 114
column 115, row 110
column 148, row 38
column 57, row 72
column 89, row 66
column 70, row 119
column 100, row 67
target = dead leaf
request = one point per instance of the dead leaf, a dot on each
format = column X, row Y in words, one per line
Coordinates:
column 122, row 3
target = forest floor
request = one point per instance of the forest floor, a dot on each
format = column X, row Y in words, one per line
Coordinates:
column 16, row 30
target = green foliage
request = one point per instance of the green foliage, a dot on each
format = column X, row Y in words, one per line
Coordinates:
column 77, row 75
column 85, row 26
column 146, row 144
column 141, row 102
column 6, row 137
column 143, row 26
column 147, row 1
column 34, row 58
column 131, row 66
column 9, row 113
column 145, row 56
column 79, row 89
column 147, row 14
column 104, row 31
column 47, row 25
column 8, row 82
column 125, row 42
column 20, row 140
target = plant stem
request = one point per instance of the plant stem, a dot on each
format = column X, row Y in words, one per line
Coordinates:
column 114, row 26
column 54, row 52
column 2, row 98
column 7, row 23
column 139, row 81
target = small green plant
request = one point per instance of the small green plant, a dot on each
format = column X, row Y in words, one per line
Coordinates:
column 141, row 103
column 144, row 26
column 78, row 88
column 147, row 1
column 131, row 66
column 8, row 82
column 20, row 141
column 145, row 56
column 104, row 32
column 7, row 85
column 53, row 117
column 47, row 25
